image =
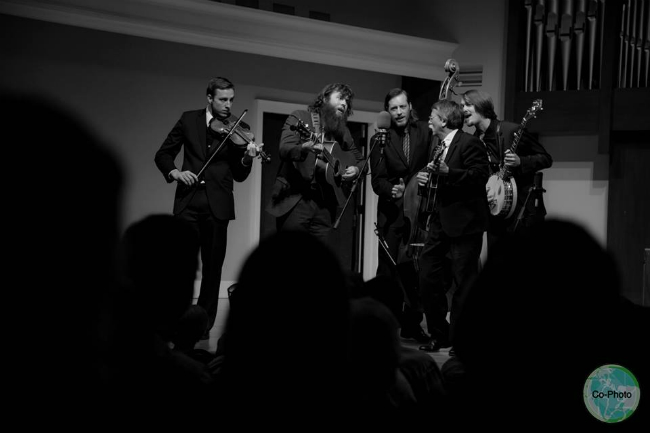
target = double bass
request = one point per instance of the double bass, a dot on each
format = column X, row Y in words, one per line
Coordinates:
column 419, row 201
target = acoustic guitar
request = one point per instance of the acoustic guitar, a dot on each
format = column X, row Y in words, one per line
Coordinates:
column 330, row 163
column 501, row 186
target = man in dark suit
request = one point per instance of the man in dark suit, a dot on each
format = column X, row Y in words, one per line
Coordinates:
column 460, row 171
column 207, row 201
column 308, row 189
column 399, row 152
column 524, row 164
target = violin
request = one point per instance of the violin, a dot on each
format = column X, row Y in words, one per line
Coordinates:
column 419, row 201
column 241, row 136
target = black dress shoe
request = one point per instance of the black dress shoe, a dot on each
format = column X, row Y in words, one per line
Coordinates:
column 416, row 334
column 434, row 346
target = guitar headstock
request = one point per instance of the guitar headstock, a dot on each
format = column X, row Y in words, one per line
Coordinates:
column 302, row 129
column 532, row 111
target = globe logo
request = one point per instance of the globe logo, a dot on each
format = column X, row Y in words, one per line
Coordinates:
column 611, row 393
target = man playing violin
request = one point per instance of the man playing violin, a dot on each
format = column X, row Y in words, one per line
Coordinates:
column 305, row 197
column 206, row 201
column 399, row 153
column 459, row 218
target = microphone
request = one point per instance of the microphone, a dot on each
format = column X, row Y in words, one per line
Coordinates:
column 383, row 123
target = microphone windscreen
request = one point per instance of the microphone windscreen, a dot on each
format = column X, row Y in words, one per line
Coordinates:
column 383, row 120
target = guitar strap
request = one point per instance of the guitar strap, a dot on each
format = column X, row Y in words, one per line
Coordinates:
column 315, row 120
column 500, row 143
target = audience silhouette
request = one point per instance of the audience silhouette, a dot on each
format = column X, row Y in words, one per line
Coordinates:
column 285, row 336
column 189, row 330
column 418, row 368
column 301, row 342
column 160, row 260
column 379, row 390
column 62, row 195
column 548, row 302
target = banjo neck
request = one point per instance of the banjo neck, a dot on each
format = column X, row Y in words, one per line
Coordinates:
column 504, row 171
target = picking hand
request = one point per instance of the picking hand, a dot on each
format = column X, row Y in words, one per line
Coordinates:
column 350, row 172
column 491, row 197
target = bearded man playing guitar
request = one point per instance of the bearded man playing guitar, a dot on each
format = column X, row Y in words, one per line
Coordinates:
column 319, row 163
column 530, row 157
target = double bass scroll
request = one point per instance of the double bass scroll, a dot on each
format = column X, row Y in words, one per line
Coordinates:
column 453, row 69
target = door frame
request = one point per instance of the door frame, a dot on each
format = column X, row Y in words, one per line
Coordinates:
column 370, row 245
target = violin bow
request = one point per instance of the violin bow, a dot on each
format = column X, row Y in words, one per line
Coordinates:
column 222, row 143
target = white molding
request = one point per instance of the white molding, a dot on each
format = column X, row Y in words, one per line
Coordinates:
column 370, row 245
column 234, row 28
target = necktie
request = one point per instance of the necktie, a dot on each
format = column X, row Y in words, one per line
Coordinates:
column 444, row 150
column 407, row 146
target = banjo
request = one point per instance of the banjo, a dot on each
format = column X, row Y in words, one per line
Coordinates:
column 501, row 186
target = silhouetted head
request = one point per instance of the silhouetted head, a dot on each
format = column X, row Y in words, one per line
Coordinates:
column 373, row 346
column 544, row 314
column 286, row 331
column 191, row 326
column 160, row 259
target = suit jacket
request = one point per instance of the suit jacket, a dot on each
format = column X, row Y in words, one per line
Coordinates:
column 190, row 133
column 388, row 164
column 296, row 175
column 461, row 204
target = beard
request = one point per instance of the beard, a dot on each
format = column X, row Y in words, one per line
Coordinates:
column 334, row 123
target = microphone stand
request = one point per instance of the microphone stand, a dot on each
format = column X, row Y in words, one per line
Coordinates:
column 520, row 216
column 384, row 245
column 355, row 181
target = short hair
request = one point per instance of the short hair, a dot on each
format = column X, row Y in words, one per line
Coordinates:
column 392, row 93
column 482, row 102
column 218, row 83
column 451, row 111
column 344, row 89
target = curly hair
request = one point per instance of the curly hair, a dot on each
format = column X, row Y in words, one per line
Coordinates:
column 323, row 96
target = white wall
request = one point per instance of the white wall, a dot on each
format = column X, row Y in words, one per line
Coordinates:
column 576, row 185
